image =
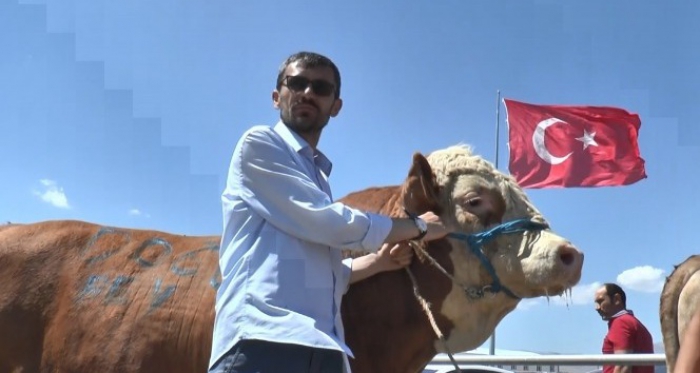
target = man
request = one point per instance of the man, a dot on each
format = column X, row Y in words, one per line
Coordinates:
column 278, row 306
column 626, row 334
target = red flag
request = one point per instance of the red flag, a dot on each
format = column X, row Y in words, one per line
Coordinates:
column 572, row 146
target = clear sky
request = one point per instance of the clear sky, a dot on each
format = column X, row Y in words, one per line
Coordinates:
column 126, row 113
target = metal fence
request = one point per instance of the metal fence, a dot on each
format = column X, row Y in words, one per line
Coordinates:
column 608, row 359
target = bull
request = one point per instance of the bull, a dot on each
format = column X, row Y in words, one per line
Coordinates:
column 80, row 297
column 678, row 303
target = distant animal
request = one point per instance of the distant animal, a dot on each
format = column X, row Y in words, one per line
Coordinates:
column 679, row 301
column 80, row 297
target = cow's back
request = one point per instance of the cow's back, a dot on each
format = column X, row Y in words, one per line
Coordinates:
column 78, row 297
column 678, row 303
column 385, row 200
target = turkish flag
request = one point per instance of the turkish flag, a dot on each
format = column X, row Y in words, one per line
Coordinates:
column 572, row 146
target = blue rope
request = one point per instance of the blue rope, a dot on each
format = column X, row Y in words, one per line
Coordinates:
column 477, row 240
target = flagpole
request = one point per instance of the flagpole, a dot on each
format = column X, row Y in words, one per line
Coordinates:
column 498, row 122
column 492, row 344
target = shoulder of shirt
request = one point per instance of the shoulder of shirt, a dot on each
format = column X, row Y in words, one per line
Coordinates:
column 256, row 134
column 627, row 319
column 258, row 129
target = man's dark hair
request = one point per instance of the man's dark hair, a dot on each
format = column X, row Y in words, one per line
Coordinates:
column 613, row 289
column 310, row 60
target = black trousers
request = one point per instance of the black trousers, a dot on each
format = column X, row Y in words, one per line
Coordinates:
column 252, row 356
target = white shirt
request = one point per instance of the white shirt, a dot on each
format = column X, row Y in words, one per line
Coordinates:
column 283, row 277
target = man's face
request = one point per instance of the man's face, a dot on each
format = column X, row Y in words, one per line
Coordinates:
column 302, row 108
column 605, row 306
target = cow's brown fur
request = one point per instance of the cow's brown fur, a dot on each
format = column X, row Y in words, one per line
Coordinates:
column 386, row 302
column 669, row 312
column 52, row 320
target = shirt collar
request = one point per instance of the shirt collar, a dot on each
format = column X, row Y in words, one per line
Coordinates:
column 302, row 147
column 622, row 312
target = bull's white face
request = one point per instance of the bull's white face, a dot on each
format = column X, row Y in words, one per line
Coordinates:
column 530, row 264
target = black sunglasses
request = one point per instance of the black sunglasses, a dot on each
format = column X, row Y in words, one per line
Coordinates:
column 299, row 83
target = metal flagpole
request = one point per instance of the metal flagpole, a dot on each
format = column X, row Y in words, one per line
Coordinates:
column 492, row 345
column 498, row 122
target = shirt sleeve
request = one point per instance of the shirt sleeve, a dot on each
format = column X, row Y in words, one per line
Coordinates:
column 347, row 271
column 273, row 185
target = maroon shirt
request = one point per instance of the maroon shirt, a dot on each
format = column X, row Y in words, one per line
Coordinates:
column 625, row 332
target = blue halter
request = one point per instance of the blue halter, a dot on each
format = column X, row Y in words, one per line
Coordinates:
column 477, row 240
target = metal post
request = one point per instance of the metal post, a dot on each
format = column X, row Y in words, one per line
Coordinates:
column 492, row 345
column 498, row 124
column 565, row 360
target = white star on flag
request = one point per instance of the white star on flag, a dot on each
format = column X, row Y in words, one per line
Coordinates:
column 587, row 139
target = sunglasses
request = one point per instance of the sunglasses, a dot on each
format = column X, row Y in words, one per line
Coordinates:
column 299, row 83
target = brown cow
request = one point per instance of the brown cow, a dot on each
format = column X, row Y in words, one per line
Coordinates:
column 679, row 301
column 78, row 297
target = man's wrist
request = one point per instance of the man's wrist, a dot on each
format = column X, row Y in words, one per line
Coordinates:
column 376, row 264
column 420, row 224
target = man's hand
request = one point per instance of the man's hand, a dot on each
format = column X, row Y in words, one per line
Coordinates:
column 394, row 256
column 405, row 228
column 390, row 257
column 623, row 368
column 436, row 229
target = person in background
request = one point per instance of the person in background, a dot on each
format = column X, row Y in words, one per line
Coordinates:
column 626, row 334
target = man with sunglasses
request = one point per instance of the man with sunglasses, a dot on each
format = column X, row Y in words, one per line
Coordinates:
column 283, row 277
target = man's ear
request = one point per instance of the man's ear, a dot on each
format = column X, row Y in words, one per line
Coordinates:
column 420, row 192
column 617, row 299
column 276, row 99
column 337, row 105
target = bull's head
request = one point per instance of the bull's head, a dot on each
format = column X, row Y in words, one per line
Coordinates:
column 471, row 195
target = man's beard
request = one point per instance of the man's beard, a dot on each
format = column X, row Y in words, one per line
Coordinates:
column 304, row 124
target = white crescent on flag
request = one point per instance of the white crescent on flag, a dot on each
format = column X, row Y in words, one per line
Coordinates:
column 538, row 142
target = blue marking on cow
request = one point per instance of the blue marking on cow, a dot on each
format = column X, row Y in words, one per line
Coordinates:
column 101, row 257
column 152, row 242
column 178, row 267
column 116, row 293
column 93, row 286
column 110, row 251
column 215, row 280
column 159, row 297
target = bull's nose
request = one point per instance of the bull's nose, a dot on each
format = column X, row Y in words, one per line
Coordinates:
column 568, row 254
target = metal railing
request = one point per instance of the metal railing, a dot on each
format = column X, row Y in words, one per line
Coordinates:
column 608, row 359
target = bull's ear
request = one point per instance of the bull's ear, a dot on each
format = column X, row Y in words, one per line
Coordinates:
column 420, row 191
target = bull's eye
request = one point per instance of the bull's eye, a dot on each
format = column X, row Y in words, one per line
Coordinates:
column 473, row 202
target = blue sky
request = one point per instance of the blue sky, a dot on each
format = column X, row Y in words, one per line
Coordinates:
column 126, row 112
